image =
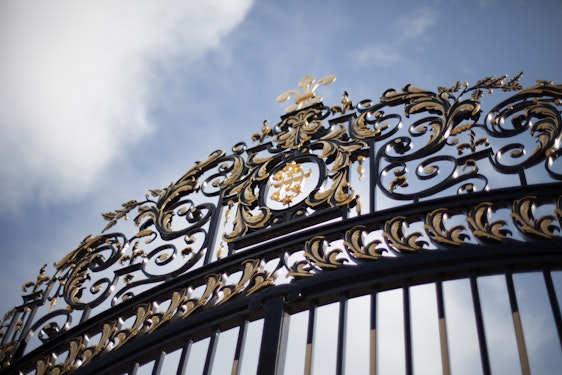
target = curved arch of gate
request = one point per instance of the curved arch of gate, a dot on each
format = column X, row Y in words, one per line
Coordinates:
column 326, row 192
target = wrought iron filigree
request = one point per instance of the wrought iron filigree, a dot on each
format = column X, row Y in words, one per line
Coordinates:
column 289, row 205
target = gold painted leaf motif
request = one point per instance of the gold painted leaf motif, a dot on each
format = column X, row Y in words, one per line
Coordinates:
column 393, row 232
column 315, row 252
column 435, row 225
column 523, row 216
column 479, row 223
column 358, row 249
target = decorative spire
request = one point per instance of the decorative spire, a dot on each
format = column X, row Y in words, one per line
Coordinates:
column 308, row 96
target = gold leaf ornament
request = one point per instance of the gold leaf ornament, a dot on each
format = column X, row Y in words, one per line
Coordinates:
column 394, row 233
column 307, row 96
column 355, row 244
column 478, row 219
column 524, row 217
column 435, row 225
column 315, row 250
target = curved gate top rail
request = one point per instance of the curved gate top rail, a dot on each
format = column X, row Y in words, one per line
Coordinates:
column 324, row 189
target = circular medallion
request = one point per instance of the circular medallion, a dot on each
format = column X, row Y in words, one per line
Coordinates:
column 291, row 183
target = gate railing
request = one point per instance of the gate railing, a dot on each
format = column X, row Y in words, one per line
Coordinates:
column 326, row 192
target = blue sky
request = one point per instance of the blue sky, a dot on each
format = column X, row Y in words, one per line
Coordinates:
column 101, row 100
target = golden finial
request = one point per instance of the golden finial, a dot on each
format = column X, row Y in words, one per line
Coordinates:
column 265, row 132
column 220, row 251
column 360, row 168
column 307, row 97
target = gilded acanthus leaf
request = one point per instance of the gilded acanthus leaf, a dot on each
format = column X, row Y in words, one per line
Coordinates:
column 524, row 217
column 513, row 84
column 394, row 233
column 478, row 219
column 358, row 249
column 316, row 251
column 301, row 268
column 435, row 226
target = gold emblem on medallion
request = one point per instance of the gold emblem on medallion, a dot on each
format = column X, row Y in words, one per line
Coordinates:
column 288, row 181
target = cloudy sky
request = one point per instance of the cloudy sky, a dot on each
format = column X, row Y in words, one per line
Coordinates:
column 102, row 100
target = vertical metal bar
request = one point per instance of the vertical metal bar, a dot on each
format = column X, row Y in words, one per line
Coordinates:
column 373, row 178
column 272, row 342
column 553, row 303
column 236, row 364
column 85, row 314
column 523, row 358
column 282, row 355
column 522, row 177
column 11, row 328
column 182, row 365
column 407, row 329
column 211, row 353
column 135, row 368
column 480, row 326
column 28, row 318
column 158, row 363
column 373, row 335
column 310, row 340
column 342, row 332
column 214, row 226
column 442, row 328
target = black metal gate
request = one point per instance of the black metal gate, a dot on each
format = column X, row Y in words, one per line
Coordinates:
column 322, row 245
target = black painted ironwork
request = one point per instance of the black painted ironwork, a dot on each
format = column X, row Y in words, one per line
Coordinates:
column 329, row 204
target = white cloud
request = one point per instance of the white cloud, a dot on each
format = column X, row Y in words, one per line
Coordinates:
column 414, row 26
column 76, row 78
column 378, row 55
column 409, row 29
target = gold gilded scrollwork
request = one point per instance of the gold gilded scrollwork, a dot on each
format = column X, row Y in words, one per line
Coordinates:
column 394, row 233
column 157, row 319
column 147, row 319
column 213, row 283
column 80, row 252
column 41, row 278
column 524, row 217
column 400, row 179
column 299, row 128
column 315, row 252
column 246, row 219
column 121, row 337
column 301, row 268
column 162, row 211
column 254, row 277
column 347, row 105
column 435, row 225
column 340, row 193
column 358, row 249
column 265, row 132
column 473, row 144
column 308, row 96
column 74, row 347
column 360, row 127
column 88, row 259
column 90, row 352
column 248, row 214
column 406, row 158
column 479, row 223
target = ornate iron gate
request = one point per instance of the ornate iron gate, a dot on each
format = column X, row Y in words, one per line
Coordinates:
column 330, row 206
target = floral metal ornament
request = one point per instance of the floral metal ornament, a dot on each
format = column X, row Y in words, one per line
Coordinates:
column 288, row 182
column 324, row 189
column 308, row 96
